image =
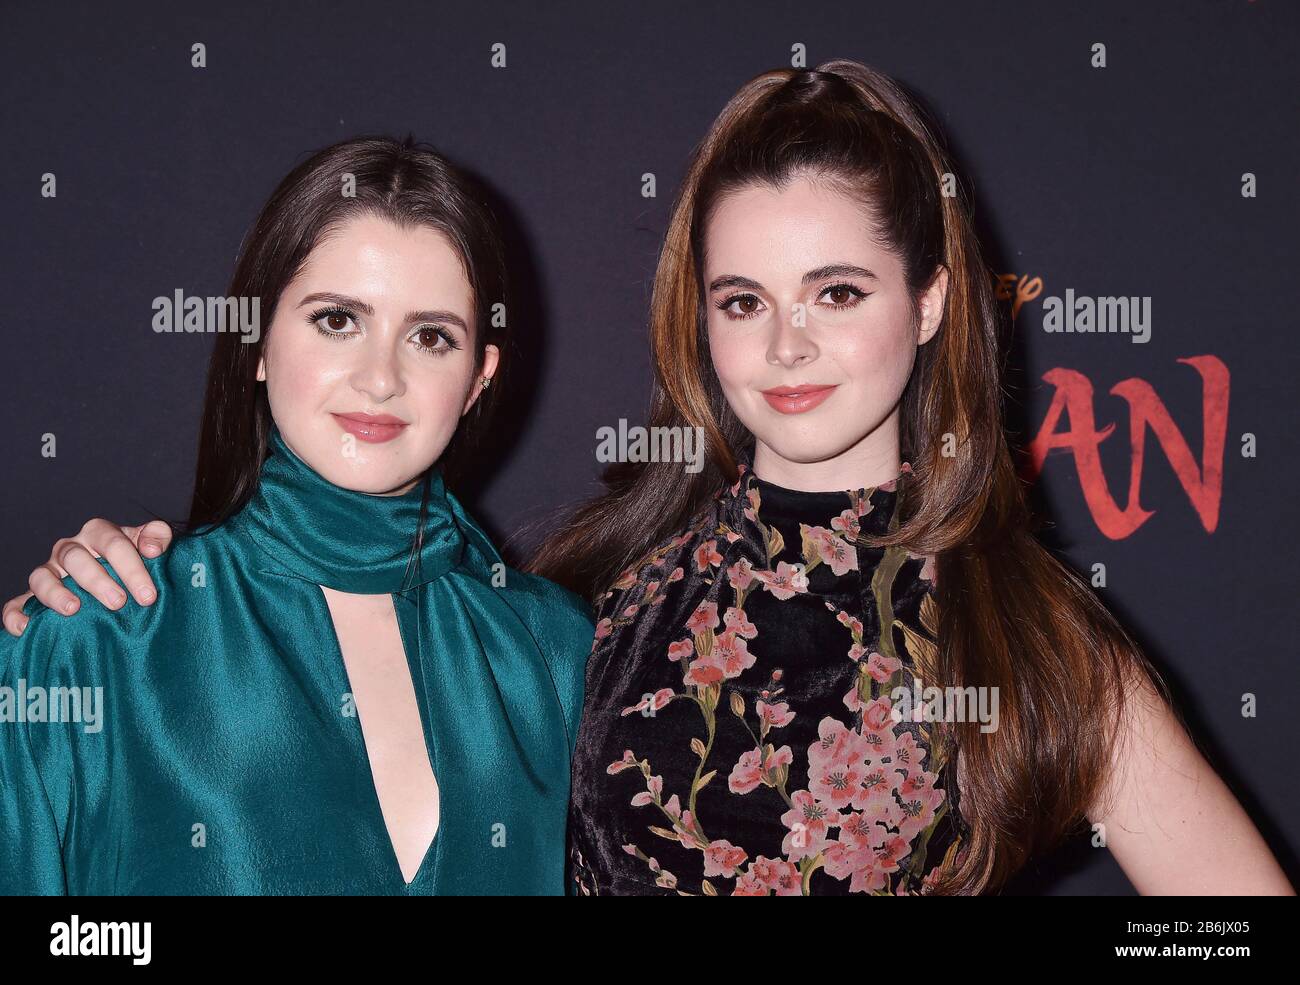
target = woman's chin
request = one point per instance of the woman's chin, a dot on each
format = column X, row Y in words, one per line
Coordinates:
column 375, row 479
column 806, row 446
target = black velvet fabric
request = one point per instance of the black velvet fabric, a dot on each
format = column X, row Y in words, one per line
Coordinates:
column 726, row 747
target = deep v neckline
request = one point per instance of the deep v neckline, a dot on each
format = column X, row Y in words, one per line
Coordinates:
column 358, row 737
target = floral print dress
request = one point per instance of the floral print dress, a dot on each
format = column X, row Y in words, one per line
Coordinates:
column 739, row 733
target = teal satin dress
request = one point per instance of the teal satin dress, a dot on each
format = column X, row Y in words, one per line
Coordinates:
column 208, row 744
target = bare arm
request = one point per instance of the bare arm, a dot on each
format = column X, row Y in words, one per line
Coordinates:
column 75, row 556
column 1172, row 824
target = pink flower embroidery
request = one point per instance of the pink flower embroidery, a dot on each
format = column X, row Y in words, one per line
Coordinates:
column 836, row 743
column 707, row 554
column 834, row 551
column 920, row 801
column 703, row 671
column 836, row 781
column 622, row 764
column 882, row 668
column 780, row 876
column 654, row 787
column 808, row 820
column 847, row 523
column 722, row 858
column 774, row 716
column 748, row 884
column 852, row 699
column 747, row 773
column 751, row 769
column 861, row 830
column 868, row 795
column 704, row 617
column 741, row 574
column 879, row 743
column 867, row 868
column 690, row 832
column 787, row 581
column 680, row 649
column 908, row 756
column 878, row 716
column 673, row 807
column 875, row 792
column 651, row 702
column 739, row 623
column 667, row 880
column 731, row 653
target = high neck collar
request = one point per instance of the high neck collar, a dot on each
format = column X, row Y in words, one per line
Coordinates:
column 872, row 507
column 346, row 540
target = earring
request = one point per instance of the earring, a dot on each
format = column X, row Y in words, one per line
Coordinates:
column 486, row 382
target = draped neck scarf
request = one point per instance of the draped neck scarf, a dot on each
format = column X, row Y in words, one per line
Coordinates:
column 352, row 541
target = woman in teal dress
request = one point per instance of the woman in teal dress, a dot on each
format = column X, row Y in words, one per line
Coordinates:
column 213, row 742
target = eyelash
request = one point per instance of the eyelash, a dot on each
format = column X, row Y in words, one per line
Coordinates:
column 857, row 292
column 315, row 318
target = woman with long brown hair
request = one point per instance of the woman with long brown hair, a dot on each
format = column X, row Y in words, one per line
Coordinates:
column 822, row 313
column 834, row 659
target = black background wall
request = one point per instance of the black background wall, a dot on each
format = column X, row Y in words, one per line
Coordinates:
column 1117, row 181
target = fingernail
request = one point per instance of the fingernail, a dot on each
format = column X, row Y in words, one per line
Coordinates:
column 150, row 549
column 70, row 605
column 118, row 598
column 144, row 594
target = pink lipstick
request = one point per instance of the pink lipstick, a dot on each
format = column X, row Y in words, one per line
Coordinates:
column 797, row 399
column 374, row 428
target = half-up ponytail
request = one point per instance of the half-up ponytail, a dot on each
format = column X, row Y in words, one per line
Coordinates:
column 1011, row 616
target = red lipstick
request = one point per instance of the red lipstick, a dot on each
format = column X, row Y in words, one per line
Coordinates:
column 374, row 428
column 797, row 399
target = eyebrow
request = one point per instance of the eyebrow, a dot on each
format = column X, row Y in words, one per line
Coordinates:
column 411, row 316
column 819, row 273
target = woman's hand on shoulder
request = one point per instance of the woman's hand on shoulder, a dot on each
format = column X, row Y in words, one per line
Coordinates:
column 77, row 556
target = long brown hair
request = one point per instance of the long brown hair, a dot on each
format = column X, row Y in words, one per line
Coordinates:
column 1011, row 616
column 404, row 181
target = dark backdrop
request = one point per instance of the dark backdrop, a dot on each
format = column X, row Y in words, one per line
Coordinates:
column 1117, row 181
